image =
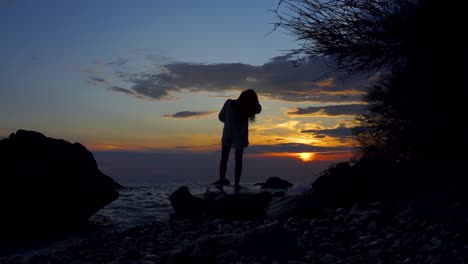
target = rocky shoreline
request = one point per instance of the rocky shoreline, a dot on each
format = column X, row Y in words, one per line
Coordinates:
column 414, row 230
column 366, row 212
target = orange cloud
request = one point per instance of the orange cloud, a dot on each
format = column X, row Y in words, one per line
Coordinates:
column 190, row 114
column 190, row 142
column 326, row 83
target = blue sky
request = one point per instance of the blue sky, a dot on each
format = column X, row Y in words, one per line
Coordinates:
column 79, row 32
column 47, row 47
column 119, row 75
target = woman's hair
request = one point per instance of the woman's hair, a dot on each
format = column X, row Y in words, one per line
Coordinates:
column 248, row 104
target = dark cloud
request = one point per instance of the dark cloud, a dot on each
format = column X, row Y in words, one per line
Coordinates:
column 121, row 90
column 278, row 79
column 189, row 114
column 292, row 147
column 90, row 70
column 341, row 132
column 320, row 136
column 330, row 110
column 119, row 61
column 96, row 80
column 149, row 88
column 158, row 59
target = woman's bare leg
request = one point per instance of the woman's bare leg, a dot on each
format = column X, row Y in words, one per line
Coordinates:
column 223, row 164
column 238, row 169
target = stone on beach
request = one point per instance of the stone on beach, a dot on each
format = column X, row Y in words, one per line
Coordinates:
column 276, row 183
column 184, row 203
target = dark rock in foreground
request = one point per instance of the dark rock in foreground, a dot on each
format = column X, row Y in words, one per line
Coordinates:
column 374, row 179
column 243, row 205
column 220, row 204
column 276, row 183
column 48, row 185
column 304, row 228
column 365, row 233
column 184, row 203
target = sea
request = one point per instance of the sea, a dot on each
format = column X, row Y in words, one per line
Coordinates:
column 138, row 204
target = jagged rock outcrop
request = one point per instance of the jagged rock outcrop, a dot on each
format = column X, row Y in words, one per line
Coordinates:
column 48, row 184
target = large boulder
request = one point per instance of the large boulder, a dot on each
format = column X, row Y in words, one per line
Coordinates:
column 185, row 204
column 220, row 204
column 48, row 185
column 237, row 205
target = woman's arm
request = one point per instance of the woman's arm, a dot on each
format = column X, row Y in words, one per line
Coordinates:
column 222, row 112
column 259, row 109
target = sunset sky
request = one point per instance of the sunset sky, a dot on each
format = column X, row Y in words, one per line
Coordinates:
column 140, row 84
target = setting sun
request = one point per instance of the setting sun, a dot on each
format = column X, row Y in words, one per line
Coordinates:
column 306, row 156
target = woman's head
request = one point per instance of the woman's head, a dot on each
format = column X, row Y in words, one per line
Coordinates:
column 248, row 104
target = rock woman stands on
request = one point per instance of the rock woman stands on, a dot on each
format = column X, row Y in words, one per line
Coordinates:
column 236, row 115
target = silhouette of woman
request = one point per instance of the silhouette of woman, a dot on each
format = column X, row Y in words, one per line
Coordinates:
column 236, row 115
